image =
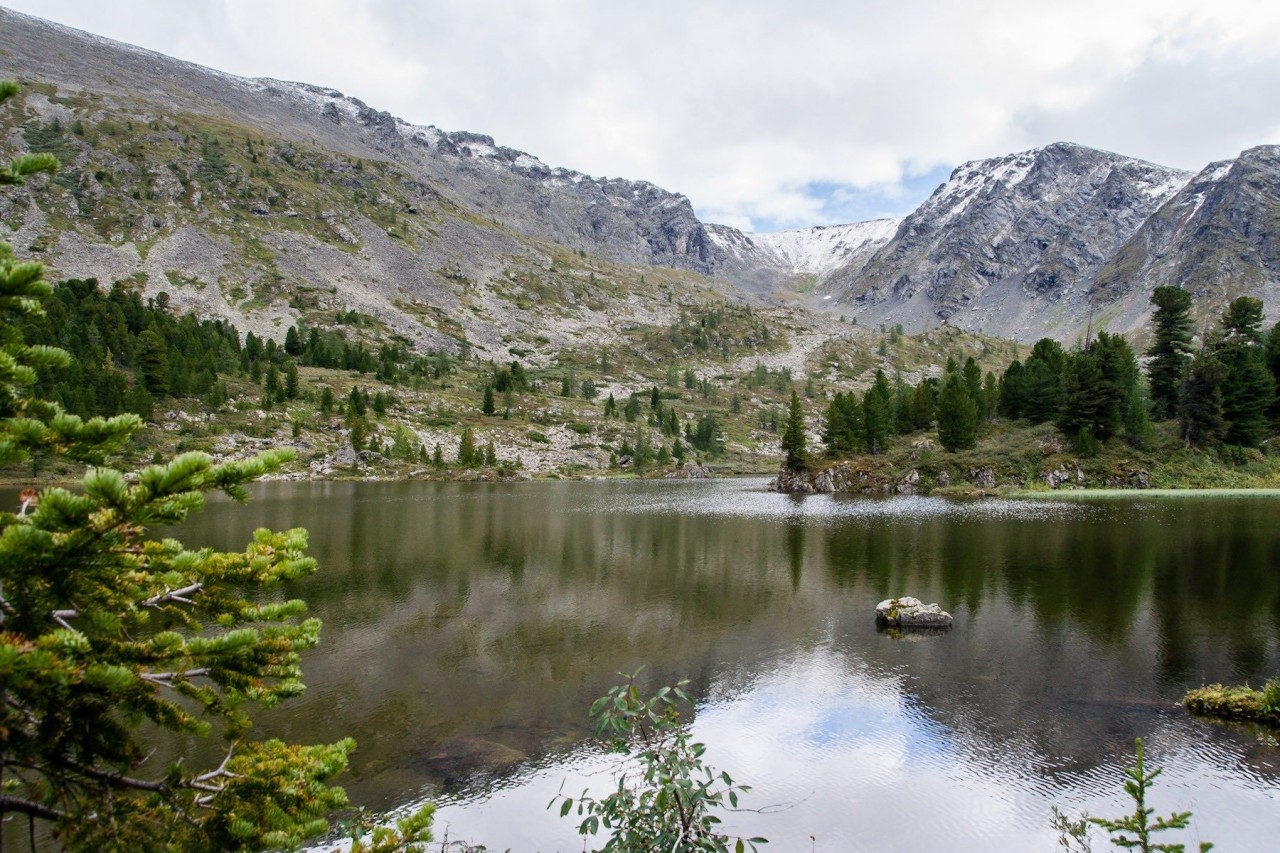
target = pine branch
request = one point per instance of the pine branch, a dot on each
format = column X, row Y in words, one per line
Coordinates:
column 17, row 804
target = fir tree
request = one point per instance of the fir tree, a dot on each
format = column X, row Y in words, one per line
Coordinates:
column 1170, row 351
column 487, row 406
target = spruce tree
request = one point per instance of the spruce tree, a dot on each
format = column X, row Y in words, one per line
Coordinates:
column 487, row 406
column 1170, row 351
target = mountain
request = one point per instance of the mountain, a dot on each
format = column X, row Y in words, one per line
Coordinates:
column 1010, row 243
column 799, row 258
column 269, row 202
column 266, row 202
column 1219, row 237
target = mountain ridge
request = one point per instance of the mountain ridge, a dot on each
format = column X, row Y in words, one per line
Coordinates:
column 1049, row 241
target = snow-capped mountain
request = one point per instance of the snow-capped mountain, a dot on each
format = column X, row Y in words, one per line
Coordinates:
column 1043, row 242
column 805, row 255
column 1006, row 243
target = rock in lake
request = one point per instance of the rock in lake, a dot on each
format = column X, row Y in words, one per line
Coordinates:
column 908, row 612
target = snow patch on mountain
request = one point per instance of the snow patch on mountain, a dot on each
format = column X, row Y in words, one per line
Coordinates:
column 806, row 251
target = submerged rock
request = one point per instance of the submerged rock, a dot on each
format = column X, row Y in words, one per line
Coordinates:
column 908, row 612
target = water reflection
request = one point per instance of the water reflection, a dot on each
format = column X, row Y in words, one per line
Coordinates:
column 468, row 627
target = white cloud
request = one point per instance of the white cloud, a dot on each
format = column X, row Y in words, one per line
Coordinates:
column 746, row 106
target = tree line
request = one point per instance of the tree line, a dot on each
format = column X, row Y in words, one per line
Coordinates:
column 1223, row 393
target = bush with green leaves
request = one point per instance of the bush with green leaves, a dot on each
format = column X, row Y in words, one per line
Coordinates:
column 669, row 799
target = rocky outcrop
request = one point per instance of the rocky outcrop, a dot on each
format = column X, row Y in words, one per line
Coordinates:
column 845, row 477
column 1063, row 476
column 908, row 612
column 689, row 471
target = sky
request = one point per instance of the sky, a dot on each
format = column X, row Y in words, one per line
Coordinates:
column 766, row 114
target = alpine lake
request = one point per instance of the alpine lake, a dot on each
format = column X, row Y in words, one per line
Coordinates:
column 469, row 627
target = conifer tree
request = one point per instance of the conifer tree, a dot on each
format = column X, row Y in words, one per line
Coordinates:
column 1011, row 390
column 1170, row 351
column 467, row 452
column 793, row 437
column 1201, row 406
column 1042, row 381
column 112, row 635
column 877, row 414
column 1248, row 389
column 957, row 414
column 487, row 405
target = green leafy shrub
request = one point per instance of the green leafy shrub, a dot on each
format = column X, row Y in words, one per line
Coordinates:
column 672, row 803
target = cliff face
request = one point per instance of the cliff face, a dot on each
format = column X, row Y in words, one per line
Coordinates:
column 1218, row 237
column 1011, row 243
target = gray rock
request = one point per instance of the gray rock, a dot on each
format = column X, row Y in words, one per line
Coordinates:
column 908, row 612
column 943, row 479
column 983, row 478
column 689, row 471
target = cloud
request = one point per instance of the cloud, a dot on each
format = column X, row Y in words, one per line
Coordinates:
column 761, row 112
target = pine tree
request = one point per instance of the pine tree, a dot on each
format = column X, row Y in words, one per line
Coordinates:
column 467, row 453
column 1249, row 389
column 1170, row 351
column 1012, row 390
column 487, row 405
column 877, row 414
column 291, row 380
column 1042, row 381
column 153, row 362
column 957, row 414
column 1201, row 406
column 793, row 437
column 113, row 636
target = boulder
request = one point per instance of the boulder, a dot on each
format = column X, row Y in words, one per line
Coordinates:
column 983, row 478
column 908, row 612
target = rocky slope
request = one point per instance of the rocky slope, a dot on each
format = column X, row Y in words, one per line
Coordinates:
column 1011, row 242
column 264, row 202
column 1219, row 237
column 800, row 259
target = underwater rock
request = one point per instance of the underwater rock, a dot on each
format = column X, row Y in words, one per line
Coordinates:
column 908, row 612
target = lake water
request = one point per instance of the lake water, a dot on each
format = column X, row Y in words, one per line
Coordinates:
column 468, row 627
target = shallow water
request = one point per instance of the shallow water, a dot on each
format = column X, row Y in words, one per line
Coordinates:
column 468, row 627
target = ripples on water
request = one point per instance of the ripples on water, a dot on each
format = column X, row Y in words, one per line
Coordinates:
column 469, row 613
column 750, row 500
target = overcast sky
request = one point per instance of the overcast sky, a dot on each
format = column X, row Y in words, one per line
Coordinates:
column 766, row 114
